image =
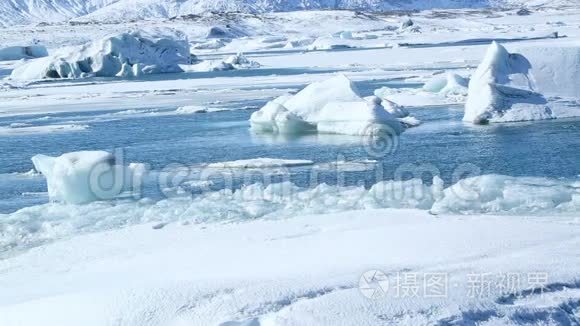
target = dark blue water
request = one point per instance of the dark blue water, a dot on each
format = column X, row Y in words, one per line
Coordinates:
column 442, row 142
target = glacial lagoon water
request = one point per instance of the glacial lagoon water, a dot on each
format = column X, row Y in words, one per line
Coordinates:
column 164, row 140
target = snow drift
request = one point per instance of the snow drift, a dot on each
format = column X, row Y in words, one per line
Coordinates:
column 330, row 106
column 136, row 53
column 522, row 86
column 86, row 176
column 23, row 52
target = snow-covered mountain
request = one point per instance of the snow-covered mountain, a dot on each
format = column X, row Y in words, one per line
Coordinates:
column 33, row 11
column 14, row 12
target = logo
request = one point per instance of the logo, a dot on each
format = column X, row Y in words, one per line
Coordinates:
column 373, row 284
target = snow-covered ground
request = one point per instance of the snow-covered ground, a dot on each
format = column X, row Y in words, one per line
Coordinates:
column 489, row 250
column 314, row 270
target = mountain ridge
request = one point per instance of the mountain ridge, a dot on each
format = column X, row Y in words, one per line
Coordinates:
column 22, row 12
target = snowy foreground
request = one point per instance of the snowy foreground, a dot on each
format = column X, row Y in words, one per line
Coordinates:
column 305, row 270
column 495, row 249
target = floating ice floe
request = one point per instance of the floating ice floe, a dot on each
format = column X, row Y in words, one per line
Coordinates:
column 25, row 129
column 348, row 166
column 22, row 52
column 331, row 106
column 191, row 109
column 258, row 163
column 523, row 86
column 128, row 54
column 86, row 176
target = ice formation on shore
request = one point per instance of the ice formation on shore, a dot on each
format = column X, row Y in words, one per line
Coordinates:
column 520, row 86
column 159, row 50
column 23, row 52
column 86, row 176
column 330, row 106
column 486, row 194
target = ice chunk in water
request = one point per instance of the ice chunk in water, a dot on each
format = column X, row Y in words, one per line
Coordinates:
column 84, row 177
column 330, row 106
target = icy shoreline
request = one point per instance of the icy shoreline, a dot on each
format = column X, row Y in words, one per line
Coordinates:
column 488, row 194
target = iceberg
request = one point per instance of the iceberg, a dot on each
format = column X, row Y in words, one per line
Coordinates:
column 159, row 50
column 85, row 176
column 522, row 86
column 330, row 106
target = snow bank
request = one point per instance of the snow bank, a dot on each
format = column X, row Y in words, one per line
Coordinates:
column 309, row 270
column 520, row 86
column 84, row 177
column 441, row 89
column 330, row 106
column 23, row 52
column 128, row 54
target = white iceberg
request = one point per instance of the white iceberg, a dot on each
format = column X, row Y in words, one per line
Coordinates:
column 330, row 106
column 22, row 52
column 135, row 53
column 85, row 176
column 522, row 86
